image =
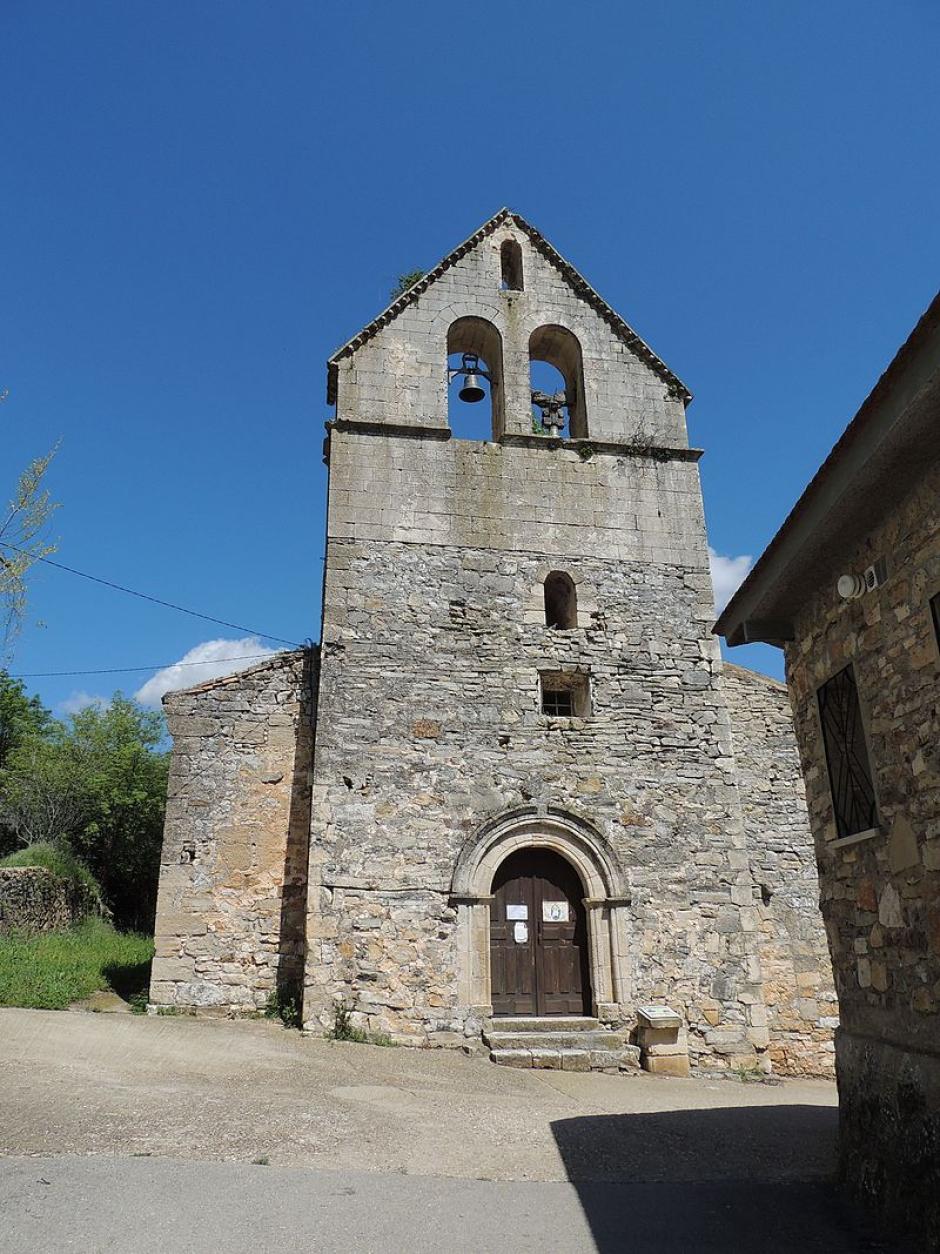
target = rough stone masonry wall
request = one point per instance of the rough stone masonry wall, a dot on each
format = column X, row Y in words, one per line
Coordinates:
column 881, row 896
column 399, row 377
column 799, row 993
column 430, row 724
column 34, row 899
column 232, row 895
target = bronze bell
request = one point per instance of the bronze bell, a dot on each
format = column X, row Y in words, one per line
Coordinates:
column 472, row 390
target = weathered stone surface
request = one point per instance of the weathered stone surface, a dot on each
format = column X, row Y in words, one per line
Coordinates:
column 799, row 992
column 667, row 1064
column 33, row 899
column 430, row 733
column 879, row 894
column 889, row 1123
column 232, row 896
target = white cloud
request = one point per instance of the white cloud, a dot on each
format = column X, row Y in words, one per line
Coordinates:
column 727, row 575
column 80, row 700
column 206, row 661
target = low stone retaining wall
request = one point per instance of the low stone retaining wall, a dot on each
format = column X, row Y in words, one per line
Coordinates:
column 34, row 899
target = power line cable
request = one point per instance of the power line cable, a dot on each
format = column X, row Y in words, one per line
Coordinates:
column 121, row 670
column 107, row 583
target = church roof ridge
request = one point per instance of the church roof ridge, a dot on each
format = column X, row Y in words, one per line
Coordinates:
column 281, row 658
column 578, row 282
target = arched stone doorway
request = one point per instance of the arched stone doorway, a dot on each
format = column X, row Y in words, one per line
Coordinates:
column 538, row 937
column 605, row 903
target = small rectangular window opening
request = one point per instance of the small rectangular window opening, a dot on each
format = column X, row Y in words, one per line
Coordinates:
column 850, row 778
column 565, row 694
column 559, row 704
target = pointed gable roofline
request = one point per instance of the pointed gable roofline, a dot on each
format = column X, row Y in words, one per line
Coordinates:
column 576, row 280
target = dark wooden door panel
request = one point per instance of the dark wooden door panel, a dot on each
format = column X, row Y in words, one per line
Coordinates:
column 512, row 961
column 538, row 937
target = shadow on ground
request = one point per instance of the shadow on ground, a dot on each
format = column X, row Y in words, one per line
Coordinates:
column 129, row 979
column 738, row 1179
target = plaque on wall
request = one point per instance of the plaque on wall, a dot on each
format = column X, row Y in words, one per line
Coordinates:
column 517, row 912
column 554, row 912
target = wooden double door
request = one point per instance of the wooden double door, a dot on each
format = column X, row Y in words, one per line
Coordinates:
column 538, row 937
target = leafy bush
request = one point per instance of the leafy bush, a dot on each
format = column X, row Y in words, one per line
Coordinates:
column 97, row 786
column 51, row 971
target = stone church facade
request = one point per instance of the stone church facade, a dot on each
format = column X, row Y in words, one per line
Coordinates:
column 514, row 780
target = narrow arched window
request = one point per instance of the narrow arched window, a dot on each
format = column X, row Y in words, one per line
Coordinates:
column 555, row 355
column 561, row 601
column 510, row 259
column 474, row 343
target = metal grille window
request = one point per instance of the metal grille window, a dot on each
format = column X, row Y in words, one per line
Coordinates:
column 565, row 694
column 853, row 795
column 558, row 704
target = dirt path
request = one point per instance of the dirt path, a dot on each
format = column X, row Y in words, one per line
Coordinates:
column 81, row 1083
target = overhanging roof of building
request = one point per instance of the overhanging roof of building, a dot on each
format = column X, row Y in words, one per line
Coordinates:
column 577, row 281
column 882, row 452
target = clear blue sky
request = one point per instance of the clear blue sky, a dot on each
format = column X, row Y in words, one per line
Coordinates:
column 202, row 200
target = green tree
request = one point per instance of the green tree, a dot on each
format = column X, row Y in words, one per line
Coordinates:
column 126, row 775
column 96, row 785
column 21, row 716
column 22, row 544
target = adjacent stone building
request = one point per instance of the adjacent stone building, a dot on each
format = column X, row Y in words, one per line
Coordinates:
column 850, row 587
column 512, row 782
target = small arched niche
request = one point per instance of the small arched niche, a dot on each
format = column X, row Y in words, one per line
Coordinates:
column 561, row 601
column 559, row 348
column 510, row 261
column 482, row 420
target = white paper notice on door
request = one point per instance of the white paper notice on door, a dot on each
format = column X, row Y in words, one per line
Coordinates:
column 516, row 912
column 554, row 912
column 520, row 933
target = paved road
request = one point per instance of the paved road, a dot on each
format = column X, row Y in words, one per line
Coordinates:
column 141, row 1134
column 153, row 1206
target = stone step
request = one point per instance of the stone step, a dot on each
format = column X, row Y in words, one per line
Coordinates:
column 596, row 1038
column 615, row 1060
column 546, row 1023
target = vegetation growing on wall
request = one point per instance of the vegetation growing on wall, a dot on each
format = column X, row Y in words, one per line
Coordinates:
column 404, row 282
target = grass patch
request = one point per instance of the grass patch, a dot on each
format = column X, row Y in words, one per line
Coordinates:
column 50, row 971
column 60, row 862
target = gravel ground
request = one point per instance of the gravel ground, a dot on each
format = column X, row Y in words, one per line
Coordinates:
column 147, row 1135
column 82, row 1083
